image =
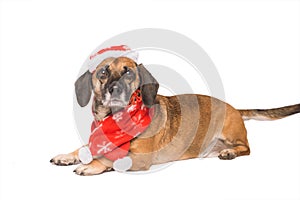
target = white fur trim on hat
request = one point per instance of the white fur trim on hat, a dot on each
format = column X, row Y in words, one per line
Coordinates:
column 113, row 51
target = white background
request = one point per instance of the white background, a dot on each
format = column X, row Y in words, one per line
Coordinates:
column 254, row 44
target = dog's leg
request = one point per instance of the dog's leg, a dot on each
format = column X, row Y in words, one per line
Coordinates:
column 66, row 159
column 97, row 166
column 235, row 145
column 140, row 162
column 234, row 137
column 231, row 153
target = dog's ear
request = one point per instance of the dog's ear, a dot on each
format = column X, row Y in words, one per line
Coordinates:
column 83, row 88
column 148, row 85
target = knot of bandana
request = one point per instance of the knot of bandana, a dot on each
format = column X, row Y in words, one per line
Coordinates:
column 111, row 136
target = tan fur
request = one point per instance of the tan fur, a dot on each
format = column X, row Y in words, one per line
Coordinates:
column 270, row 114
column 183, row 132
column 183, row 127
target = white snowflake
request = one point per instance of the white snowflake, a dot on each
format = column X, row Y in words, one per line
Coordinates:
column 143, row 107
column 131, row 108
column 133, row 124
column 104, row 147
column 137, row 117
column 118, row 116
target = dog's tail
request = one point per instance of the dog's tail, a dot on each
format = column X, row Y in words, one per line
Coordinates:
column 270, row 114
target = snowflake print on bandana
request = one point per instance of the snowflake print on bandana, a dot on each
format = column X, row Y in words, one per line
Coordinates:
column 118, row 116
column 104, row 148
column 131, row 108
column 111, row 137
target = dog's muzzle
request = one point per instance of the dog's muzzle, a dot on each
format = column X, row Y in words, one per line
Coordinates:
column 116, row 95
column 115, row 89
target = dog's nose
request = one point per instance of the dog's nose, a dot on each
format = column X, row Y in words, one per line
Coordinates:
column 115, row 87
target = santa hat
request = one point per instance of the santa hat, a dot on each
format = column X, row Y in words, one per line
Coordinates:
column 113, row 51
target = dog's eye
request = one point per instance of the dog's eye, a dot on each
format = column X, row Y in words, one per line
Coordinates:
column 103, row 73
column 127, row 71
column 128, row 74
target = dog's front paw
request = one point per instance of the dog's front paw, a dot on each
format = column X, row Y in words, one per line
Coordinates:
column 93, row 168
column 228, row 154
column 65, row 159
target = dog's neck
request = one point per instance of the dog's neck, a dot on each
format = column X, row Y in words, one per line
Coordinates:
column 99, row 110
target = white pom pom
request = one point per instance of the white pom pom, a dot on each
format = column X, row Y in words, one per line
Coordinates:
column 123, row 164
column 85, row 155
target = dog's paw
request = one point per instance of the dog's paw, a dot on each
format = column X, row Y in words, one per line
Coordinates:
column 227, row 154
column 93, row 168
column 65, row 159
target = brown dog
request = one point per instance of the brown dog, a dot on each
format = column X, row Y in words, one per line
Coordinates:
column 183, row 126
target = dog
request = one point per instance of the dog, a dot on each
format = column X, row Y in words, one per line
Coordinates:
column 183, row 126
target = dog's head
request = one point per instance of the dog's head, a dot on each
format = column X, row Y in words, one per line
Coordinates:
column 114, row 81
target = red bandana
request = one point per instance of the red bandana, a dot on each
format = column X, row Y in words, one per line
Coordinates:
column 111, row 136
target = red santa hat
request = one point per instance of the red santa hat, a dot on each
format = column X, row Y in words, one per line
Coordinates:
column 113, row 51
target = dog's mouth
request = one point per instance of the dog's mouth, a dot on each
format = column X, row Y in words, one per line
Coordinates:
column 116, row 105
column 114, row 102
